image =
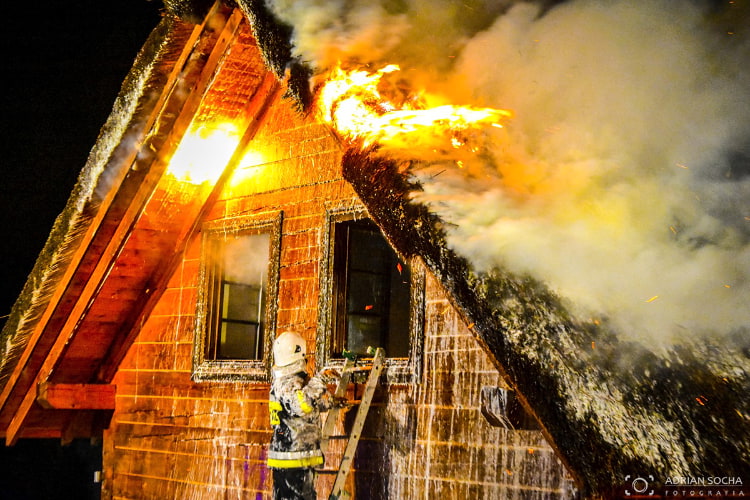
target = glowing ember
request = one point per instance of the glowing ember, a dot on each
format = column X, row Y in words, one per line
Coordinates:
column 359, row 105
column 204, row 152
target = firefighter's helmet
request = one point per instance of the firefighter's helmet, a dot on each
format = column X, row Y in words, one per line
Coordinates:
column 289, row 348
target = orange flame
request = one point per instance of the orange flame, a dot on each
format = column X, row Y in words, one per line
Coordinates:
column 353, row 102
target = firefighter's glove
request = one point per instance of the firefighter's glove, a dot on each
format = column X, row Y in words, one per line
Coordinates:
column 330, row 376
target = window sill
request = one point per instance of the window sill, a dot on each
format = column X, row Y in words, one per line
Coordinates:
column 231, row 371
column 396, row 370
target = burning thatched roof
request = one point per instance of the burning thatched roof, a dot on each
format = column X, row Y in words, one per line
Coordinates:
column 612, row 408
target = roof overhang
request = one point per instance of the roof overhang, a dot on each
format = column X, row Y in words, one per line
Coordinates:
column 108, row 259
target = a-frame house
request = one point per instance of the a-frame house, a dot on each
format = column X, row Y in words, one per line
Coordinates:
column 149, row 316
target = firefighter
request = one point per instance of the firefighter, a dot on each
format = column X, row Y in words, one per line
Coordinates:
column 295, row 403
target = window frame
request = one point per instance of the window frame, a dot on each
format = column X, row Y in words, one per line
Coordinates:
column 397, row 370
column 233, row 370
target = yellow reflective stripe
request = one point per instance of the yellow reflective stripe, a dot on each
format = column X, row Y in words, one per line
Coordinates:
column 303, row 404
column 278, row 463
column 274, row 408
column 275, row 405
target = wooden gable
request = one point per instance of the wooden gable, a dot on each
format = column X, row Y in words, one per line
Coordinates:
column 127, row 244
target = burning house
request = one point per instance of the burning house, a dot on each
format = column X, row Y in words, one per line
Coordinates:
column 226, row 201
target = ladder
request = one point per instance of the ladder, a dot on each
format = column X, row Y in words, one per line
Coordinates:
column 378, row 362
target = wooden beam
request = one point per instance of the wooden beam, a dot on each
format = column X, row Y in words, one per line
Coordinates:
column 41, row 433
column 76, row 396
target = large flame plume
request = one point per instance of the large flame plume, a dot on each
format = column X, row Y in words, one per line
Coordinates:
column 353, row 102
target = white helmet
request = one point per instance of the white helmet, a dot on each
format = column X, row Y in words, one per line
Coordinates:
column 289, row 348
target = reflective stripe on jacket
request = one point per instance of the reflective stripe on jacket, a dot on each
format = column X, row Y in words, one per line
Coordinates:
column 294, row 459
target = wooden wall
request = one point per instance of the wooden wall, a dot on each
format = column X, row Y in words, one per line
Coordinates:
column 172, row 438
column 434, row 441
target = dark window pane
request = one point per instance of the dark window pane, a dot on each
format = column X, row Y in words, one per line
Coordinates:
column 368, row 250
column 364, row 331
column 239, row 341
column 399, row 312
column 367, row 293
column 375, row 296
column 242, row 302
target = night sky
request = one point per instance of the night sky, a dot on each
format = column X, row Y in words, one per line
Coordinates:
column 63, row 64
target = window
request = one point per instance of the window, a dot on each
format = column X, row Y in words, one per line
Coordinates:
column 371, row 297
column 239, row 268
column 237, row 291
column 371, row 305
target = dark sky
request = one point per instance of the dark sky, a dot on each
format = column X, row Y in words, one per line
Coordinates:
column 63, row 64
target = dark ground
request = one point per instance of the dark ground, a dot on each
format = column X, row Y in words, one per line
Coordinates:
column 41, row 469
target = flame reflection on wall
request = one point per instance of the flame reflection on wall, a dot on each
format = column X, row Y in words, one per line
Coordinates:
column 204, row 153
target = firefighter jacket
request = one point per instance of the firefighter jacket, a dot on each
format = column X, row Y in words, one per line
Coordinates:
column 295, row 403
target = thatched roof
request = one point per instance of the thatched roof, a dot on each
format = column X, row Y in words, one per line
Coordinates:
column 273, row 37
column 611, row 408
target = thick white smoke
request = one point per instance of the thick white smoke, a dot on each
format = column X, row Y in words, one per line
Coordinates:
column 623, row 180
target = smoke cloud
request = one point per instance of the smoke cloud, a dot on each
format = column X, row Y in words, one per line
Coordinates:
column 622, row 180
